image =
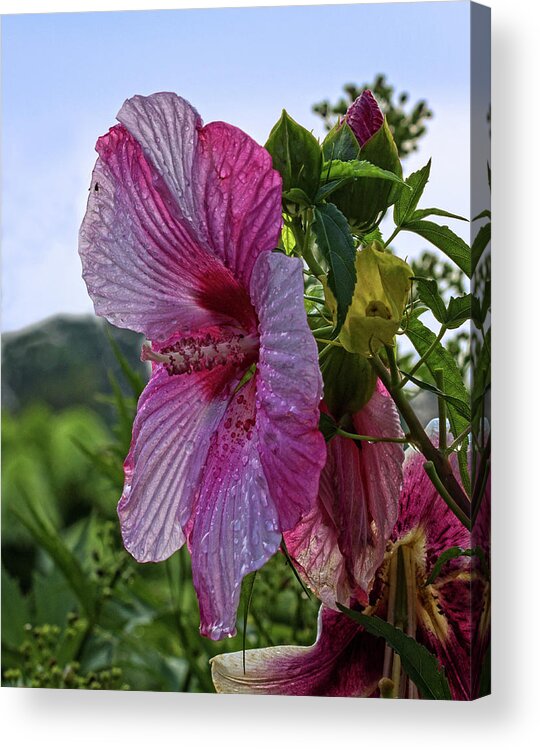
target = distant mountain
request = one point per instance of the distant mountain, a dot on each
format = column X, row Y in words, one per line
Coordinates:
column 65, row 361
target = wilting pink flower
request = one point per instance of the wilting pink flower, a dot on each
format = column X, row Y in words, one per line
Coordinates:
column 364, row 117
column 176, row 243
column 345, row 660
column 341, row 542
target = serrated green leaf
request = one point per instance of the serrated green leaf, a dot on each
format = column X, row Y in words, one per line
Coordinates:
column 343, row 170
column 296, row 155
column 459, row 311
column 429, row 294
column 421, row 213
column 337, row 246
column 445, row 239
column 421, row 666
column 440, row 359
column 462, row 407
column 408, row 200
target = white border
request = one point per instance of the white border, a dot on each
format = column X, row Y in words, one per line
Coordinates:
column 79, row 720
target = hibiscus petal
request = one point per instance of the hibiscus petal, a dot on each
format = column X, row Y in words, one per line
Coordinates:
column 141, row 265
column 340, row 544
column 239, row 196
column 343, row 661
column 364, row 117
column 222, row 180
column 166, row 126
column 235, row 527
column 289, row 388
column 171, row 436
column 381, row 471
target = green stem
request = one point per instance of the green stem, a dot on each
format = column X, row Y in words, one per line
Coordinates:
column 432, row 454
column 302, row 240
column 451, row 448
column 371, row 438
column 424, row 356
column 393, row 236
column 430, row 470
column 439, row 381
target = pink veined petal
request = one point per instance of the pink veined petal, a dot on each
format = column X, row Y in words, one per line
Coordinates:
column 235, row 529
column 239, row 196
column 381, row 472
column 142, row 268
column 289, row 388
column 223, row 182
column 421, row 505
column 171, row 436
column 167, row 128
column 364, row 117
column 340, row 544
column 344, row 661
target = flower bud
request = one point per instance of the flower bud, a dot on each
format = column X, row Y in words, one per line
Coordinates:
column 383, row 283
column 364, row 199
column 349, row 382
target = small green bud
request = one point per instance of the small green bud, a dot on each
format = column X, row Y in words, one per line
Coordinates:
column 349, row 382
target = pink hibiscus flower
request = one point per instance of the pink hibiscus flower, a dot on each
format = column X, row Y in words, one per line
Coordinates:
column 176, row 243
column 341, row 542
column 345, row 660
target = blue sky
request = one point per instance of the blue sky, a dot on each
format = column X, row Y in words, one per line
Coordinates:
column 66, row 75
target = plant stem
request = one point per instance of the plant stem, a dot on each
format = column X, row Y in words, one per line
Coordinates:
column 371, row 438
column 393, row 236
column 419, row 437
column 302, row 240
column 439, row 381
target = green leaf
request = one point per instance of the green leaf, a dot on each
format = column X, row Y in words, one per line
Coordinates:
column 429, row 294
column 47, row 537
column 420, row 665
column 445, row 239
column 296, row 195
column 15, row 611
column 479, row 244
column 345, row 170
column 451, row 554
column 135, row 381
column 486, row 214
column 440, row 359
column 340, row 143
column 325, row 191
column 462, row 407
column 423, row 212
column 408, row 200
column 337, row 246
column 459, row 311
column 296, row 154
